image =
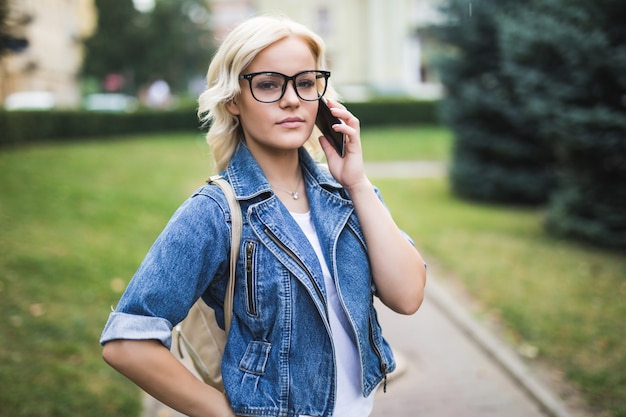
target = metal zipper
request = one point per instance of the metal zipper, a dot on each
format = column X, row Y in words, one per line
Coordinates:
column 250, row 277
column 293, row 256
column 383, row 364
column 272, row 236
column 356, row 236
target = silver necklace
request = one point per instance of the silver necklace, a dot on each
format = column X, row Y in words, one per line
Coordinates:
column 294, row 194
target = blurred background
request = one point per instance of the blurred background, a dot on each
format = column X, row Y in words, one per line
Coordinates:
column 98, row 54
column 517, row 106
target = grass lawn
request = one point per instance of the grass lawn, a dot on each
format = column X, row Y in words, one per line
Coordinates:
column 76, row 220
column 425, row 143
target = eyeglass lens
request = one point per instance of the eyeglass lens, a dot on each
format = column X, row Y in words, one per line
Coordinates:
column 271, row 86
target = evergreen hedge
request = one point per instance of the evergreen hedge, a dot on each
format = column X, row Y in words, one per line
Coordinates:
column 24, row 127
column 568, row 59
column 396, row 112
column 498, row 155
column 537, row 102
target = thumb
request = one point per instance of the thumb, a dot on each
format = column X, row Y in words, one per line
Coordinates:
column 326, row 146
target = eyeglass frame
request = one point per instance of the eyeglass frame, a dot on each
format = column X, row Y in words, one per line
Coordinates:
column 250, row 76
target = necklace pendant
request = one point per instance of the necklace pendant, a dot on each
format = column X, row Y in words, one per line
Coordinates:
column 295, row 195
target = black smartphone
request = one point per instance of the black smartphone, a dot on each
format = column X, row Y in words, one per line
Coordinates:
column 324, row 121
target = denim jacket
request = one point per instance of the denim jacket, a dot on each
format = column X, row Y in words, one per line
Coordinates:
column 279, row 358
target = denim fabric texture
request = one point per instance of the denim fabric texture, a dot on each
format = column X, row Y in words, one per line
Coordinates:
column 279, row 358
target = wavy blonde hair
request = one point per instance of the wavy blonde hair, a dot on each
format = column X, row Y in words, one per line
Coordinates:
column 235, row 54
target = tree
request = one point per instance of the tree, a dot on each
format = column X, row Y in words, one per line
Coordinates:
column 171, row 42
column 181, row 45
column 536, row 98
column 116, row 47
column 10, row 39
column 568, row 58
column 498, row 154
column 4, row 13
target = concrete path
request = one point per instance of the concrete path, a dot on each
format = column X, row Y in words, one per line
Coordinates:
column 405, row 169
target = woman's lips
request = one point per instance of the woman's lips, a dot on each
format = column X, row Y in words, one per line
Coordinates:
column 291, row 122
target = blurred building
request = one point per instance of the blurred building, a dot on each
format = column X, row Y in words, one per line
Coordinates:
column 51, row 62
column 375, row 47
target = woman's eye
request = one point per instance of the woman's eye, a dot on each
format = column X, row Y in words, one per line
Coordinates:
column 266, row 85
column 306, row 84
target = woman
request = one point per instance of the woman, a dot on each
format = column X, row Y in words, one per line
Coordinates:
column 317, row 245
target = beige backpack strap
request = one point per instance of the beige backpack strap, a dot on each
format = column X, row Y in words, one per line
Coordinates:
column 236, row 224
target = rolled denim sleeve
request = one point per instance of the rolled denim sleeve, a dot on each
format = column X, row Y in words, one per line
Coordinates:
column 185, row 260
column 135, row 327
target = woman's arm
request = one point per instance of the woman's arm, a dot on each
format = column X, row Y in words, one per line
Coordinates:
column 152, row 367
column 398, row 268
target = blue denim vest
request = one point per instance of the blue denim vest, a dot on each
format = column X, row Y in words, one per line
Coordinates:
column 279, row 358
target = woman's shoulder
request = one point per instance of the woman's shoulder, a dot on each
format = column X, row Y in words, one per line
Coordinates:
column 209, row 190
column 209, row 197
column 206, row 205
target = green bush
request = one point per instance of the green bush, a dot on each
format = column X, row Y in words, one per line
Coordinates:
column 576, row 94
column 22, row 127
column 498, row 154
column 536, row 102
column 396, row 112
column 591, row 202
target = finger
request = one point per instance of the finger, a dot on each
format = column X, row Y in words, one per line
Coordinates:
column 326, row 146
column 334, row 104
column 332, row 156
column 346, row 116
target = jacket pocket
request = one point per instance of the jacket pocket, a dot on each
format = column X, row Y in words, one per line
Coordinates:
column 255, row 358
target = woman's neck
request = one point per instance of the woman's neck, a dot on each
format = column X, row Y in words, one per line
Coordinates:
column 281, row 168
column 285, row 176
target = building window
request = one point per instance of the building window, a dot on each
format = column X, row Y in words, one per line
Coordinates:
column 323, row 21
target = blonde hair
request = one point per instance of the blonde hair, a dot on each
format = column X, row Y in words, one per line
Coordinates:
column 235, row 54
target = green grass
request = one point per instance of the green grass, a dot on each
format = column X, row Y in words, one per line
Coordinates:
column 76, row 220
column 427, row 143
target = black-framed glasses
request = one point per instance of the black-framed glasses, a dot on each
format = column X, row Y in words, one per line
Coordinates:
column 268, row 87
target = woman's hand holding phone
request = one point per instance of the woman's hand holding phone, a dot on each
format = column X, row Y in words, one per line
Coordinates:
column 348, row 168
column 325, row 121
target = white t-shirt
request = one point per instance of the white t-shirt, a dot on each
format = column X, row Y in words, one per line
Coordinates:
column 350, row 401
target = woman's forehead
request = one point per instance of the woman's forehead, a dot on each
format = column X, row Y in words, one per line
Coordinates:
column 288, row 55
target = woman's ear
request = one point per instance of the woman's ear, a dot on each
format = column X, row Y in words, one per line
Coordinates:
column 233, row 107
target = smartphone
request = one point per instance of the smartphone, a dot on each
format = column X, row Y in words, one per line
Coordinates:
column 324, row 121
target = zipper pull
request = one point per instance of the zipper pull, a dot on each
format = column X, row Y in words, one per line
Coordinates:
column 249, row 252
column 384, row 369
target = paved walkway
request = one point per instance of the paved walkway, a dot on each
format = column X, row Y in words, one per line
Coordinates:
column 405, row 169
column 451, row 365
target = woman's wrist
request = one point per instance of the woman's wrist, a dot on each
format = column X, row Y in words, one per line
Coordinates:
column 359, row 187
